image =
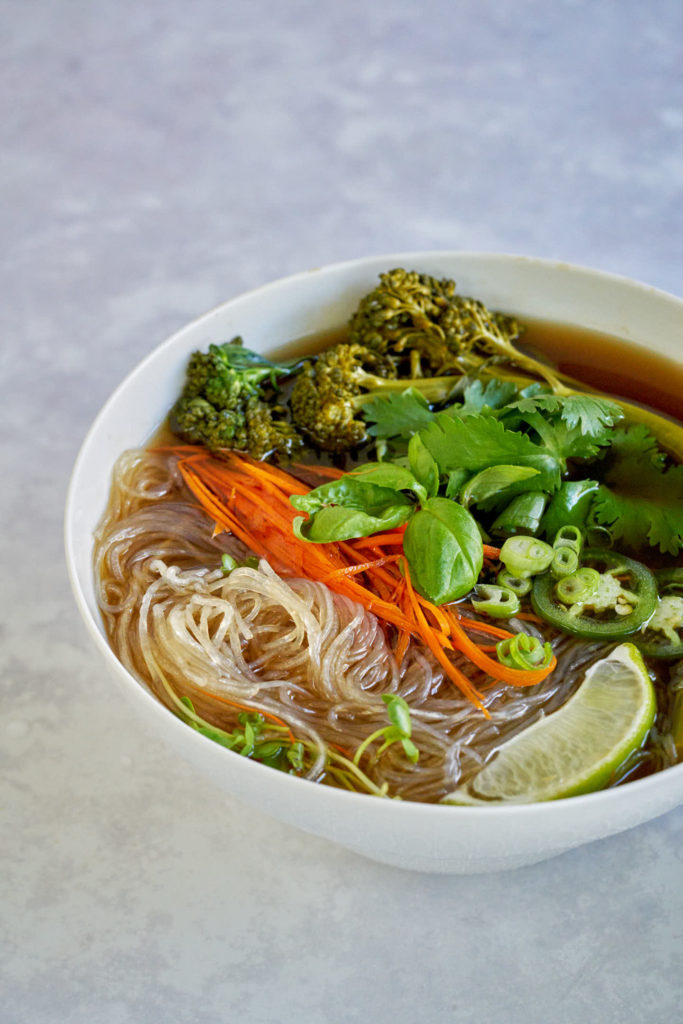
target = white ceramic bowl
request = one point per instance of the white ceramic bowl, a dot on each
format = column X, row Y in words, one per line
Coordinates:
column 420, row 837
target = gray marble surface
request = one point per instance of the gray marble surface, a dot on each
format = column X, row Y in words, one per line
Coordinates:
column 157, row 158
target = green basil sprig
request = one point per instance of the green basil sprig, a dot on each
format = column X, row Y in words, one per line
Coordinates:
column 348, row 508
column 444, row 550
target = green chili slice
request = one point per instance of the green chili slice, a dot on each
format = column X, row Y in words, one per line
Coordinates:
column 624, row 597
column 663, row 633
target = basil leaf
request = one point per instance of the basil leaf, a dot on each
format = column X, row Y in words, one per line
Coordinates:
column 335, row 522
column 392, row 475
column 423, row 465
column 350, row 492
column 491, row 481
column 444, row 550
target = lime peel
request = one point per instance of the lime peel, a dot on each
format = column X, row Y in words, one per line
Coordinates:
column 578, row 748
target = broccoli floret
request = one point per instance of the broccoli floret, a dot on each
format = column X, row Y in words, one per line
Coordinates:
column 412, row 312
column 222, row 404
column 331, row 389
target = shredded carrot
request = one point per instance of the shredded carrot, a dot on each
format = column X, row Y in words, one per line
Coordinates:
column 353, row 570
column 330, row 471
column 382, row 539
column 453, row 673
column 251, row 500
column 402, row 646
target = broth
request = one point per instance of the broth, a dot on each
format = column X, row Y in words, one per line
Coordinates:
column 602, row 361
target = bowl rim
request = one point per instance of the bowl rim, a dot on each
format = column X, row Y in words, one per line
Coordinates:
column 385, row 807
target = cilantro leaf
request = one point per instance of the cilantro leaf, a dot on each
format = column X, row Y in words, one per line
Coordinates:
column 571, row 427
column 399, row 414
column 480, row 398
column 402, row 414
column 479, row 441
column 557, row 437
column 640, row 499
column 588, row 413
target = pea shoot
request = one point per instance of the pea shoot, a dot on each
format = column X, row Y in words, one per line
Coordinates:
column 399, row 730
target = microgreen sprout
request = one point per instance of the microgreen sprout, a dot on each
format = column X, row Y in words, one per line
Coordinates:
column 399, row 730
column 228, row 563
column 248, row 740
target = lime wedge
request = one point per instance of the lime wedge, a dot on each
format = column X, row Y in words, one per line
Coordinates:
column 578, row 748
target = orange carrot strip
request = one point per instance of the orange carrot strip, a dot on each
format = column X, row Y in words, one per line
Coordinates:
column 381, row 539
column 427, row 635
column 491, row 552
column 352, row 570
column 402, row 646
column 330, row 471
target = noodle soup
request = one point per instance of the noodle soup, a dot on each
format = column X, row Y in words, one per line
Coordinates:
column 244, row 630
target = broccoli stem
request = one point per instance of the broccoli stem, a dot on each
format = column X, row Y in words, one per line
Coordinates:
column 668, row 432
column 434, row 389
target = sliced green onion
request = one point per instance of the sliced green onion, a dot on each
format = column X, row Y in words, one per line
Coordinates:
column 565, row 561
column 519, row 585
column 524, row 651
column 578, row 587
column 526, row 556
column 569, row 537
column 498, row 602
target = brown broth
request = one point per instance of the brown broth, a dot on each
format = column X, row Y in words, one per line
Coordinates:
column 604, row 362
column 621, row 368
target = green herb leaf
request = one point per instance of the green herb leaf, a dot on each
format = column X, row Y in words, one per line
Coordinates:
column 354, row 493
column 398, row 713
column 424, row 466
column 338, row 523
column 590, row 414
column 478, row 442
column 391, row 475
column 454, row 483
column 398, row 414
column 640, row 500
column 444, row 550
column 569, row 506
column 486, row 398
